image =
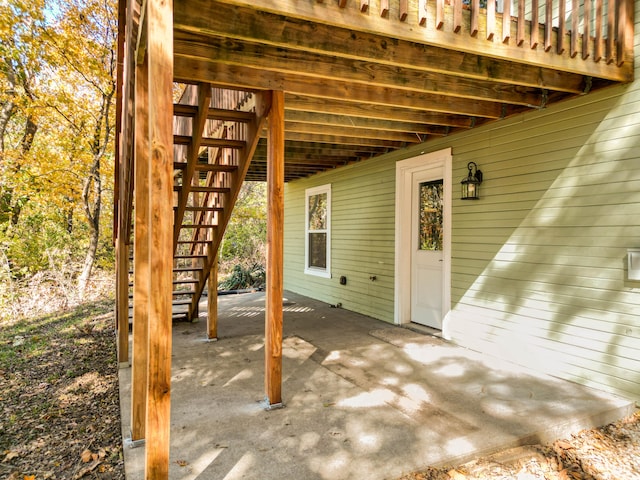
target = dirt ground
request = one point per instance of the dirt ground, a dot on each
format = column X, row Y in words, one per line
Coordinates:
column 60, row 415
column 59, row 406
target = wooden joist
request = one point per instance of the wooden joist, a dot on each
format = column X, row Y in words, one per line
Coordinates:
column 209, row 142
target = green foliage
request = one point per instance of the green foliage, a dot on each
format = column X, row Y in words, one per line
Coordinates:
column 57, row 88
column 242, row 253
column 244, row 277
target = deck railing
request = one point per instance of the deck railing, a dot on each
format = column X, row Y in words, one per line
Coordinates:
column 599, row 30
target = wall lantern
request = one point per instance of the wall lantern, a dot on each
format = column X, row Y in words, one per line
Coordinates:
column 471, row 183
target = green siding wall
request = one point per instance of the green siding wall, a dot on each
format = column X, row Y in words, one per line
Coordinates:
column 538, row 264
column 362, row 238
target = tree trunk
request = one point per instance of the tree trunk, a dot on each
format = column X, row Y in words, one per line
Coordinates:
column 92, row 185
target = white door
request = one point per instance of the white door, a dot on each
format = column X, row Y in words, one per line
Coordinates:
column 423, row 240
column 427, row 242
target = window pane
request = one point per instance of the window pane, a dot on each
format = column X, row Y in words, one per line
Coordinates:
column 318, row 250
column 431, row 215
column 318, row 212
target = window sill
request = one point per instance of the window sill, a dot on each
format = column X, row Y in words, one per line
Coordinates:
column 317, row 272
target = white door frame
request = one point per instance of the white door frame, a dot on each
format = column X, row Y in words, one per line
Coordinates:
column 405, row 170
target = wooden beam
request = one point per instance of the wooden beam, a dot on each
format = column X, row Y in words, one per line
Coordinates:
column 344, row 131
column 319, row 66
column 212, row 301
column 355, row 122
column 275, row 224
column 281, row 32
column 370, row 111
column 160, row 52
column 181, row 110
column 247, row 77
column 209, row 142
column 352, row 20
column 343, row 140
column 140, row 257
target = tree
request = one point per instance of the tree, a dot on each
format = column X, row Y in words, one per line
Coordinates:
column 90, row 63
column 57, row 88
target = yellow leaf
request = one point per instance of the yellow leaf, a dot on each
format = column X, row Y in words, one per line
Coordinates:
column 86, row 456
column 10, row 455
column 29, row 477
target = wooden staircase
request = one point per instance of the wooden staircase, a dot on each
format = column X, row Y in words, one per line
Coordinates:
column 216, row 132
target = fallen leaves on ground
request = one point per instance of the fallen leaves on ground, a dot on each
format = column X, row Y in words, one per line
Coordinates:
column 608, row 453
column 60, row 410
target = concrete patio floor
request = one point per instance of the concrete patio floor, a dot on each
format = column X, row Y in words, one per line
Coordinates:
column 363, row 399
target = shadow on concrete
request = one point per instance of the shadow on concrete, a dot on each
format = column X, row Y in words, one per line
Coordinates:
column 363, row 399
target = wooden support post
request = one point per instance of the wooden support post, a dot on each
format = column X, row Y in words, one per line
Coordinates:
column 275, row 223
column 212, row 301
column 141, row 270
column 122, row 292
column 160, row 58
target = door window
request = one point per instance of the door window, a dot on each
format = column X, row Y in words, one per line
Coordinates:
column 430, row 215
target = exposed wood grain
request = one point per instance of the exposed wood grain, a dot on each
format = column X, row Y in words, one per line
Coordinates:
column 335, row 89
column 209, row 142
column 343, row 140
column 353, row 21
column 213, row 113
column 275, row 230
column 355, row 122
column 355, row 109
column 328, row 40
column 322, row 67
column 358, row 133
column 160, row 52
column 140, row 257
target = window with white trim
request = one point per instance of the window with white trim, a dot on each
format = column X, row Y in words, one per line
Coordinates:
column 317, row 244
